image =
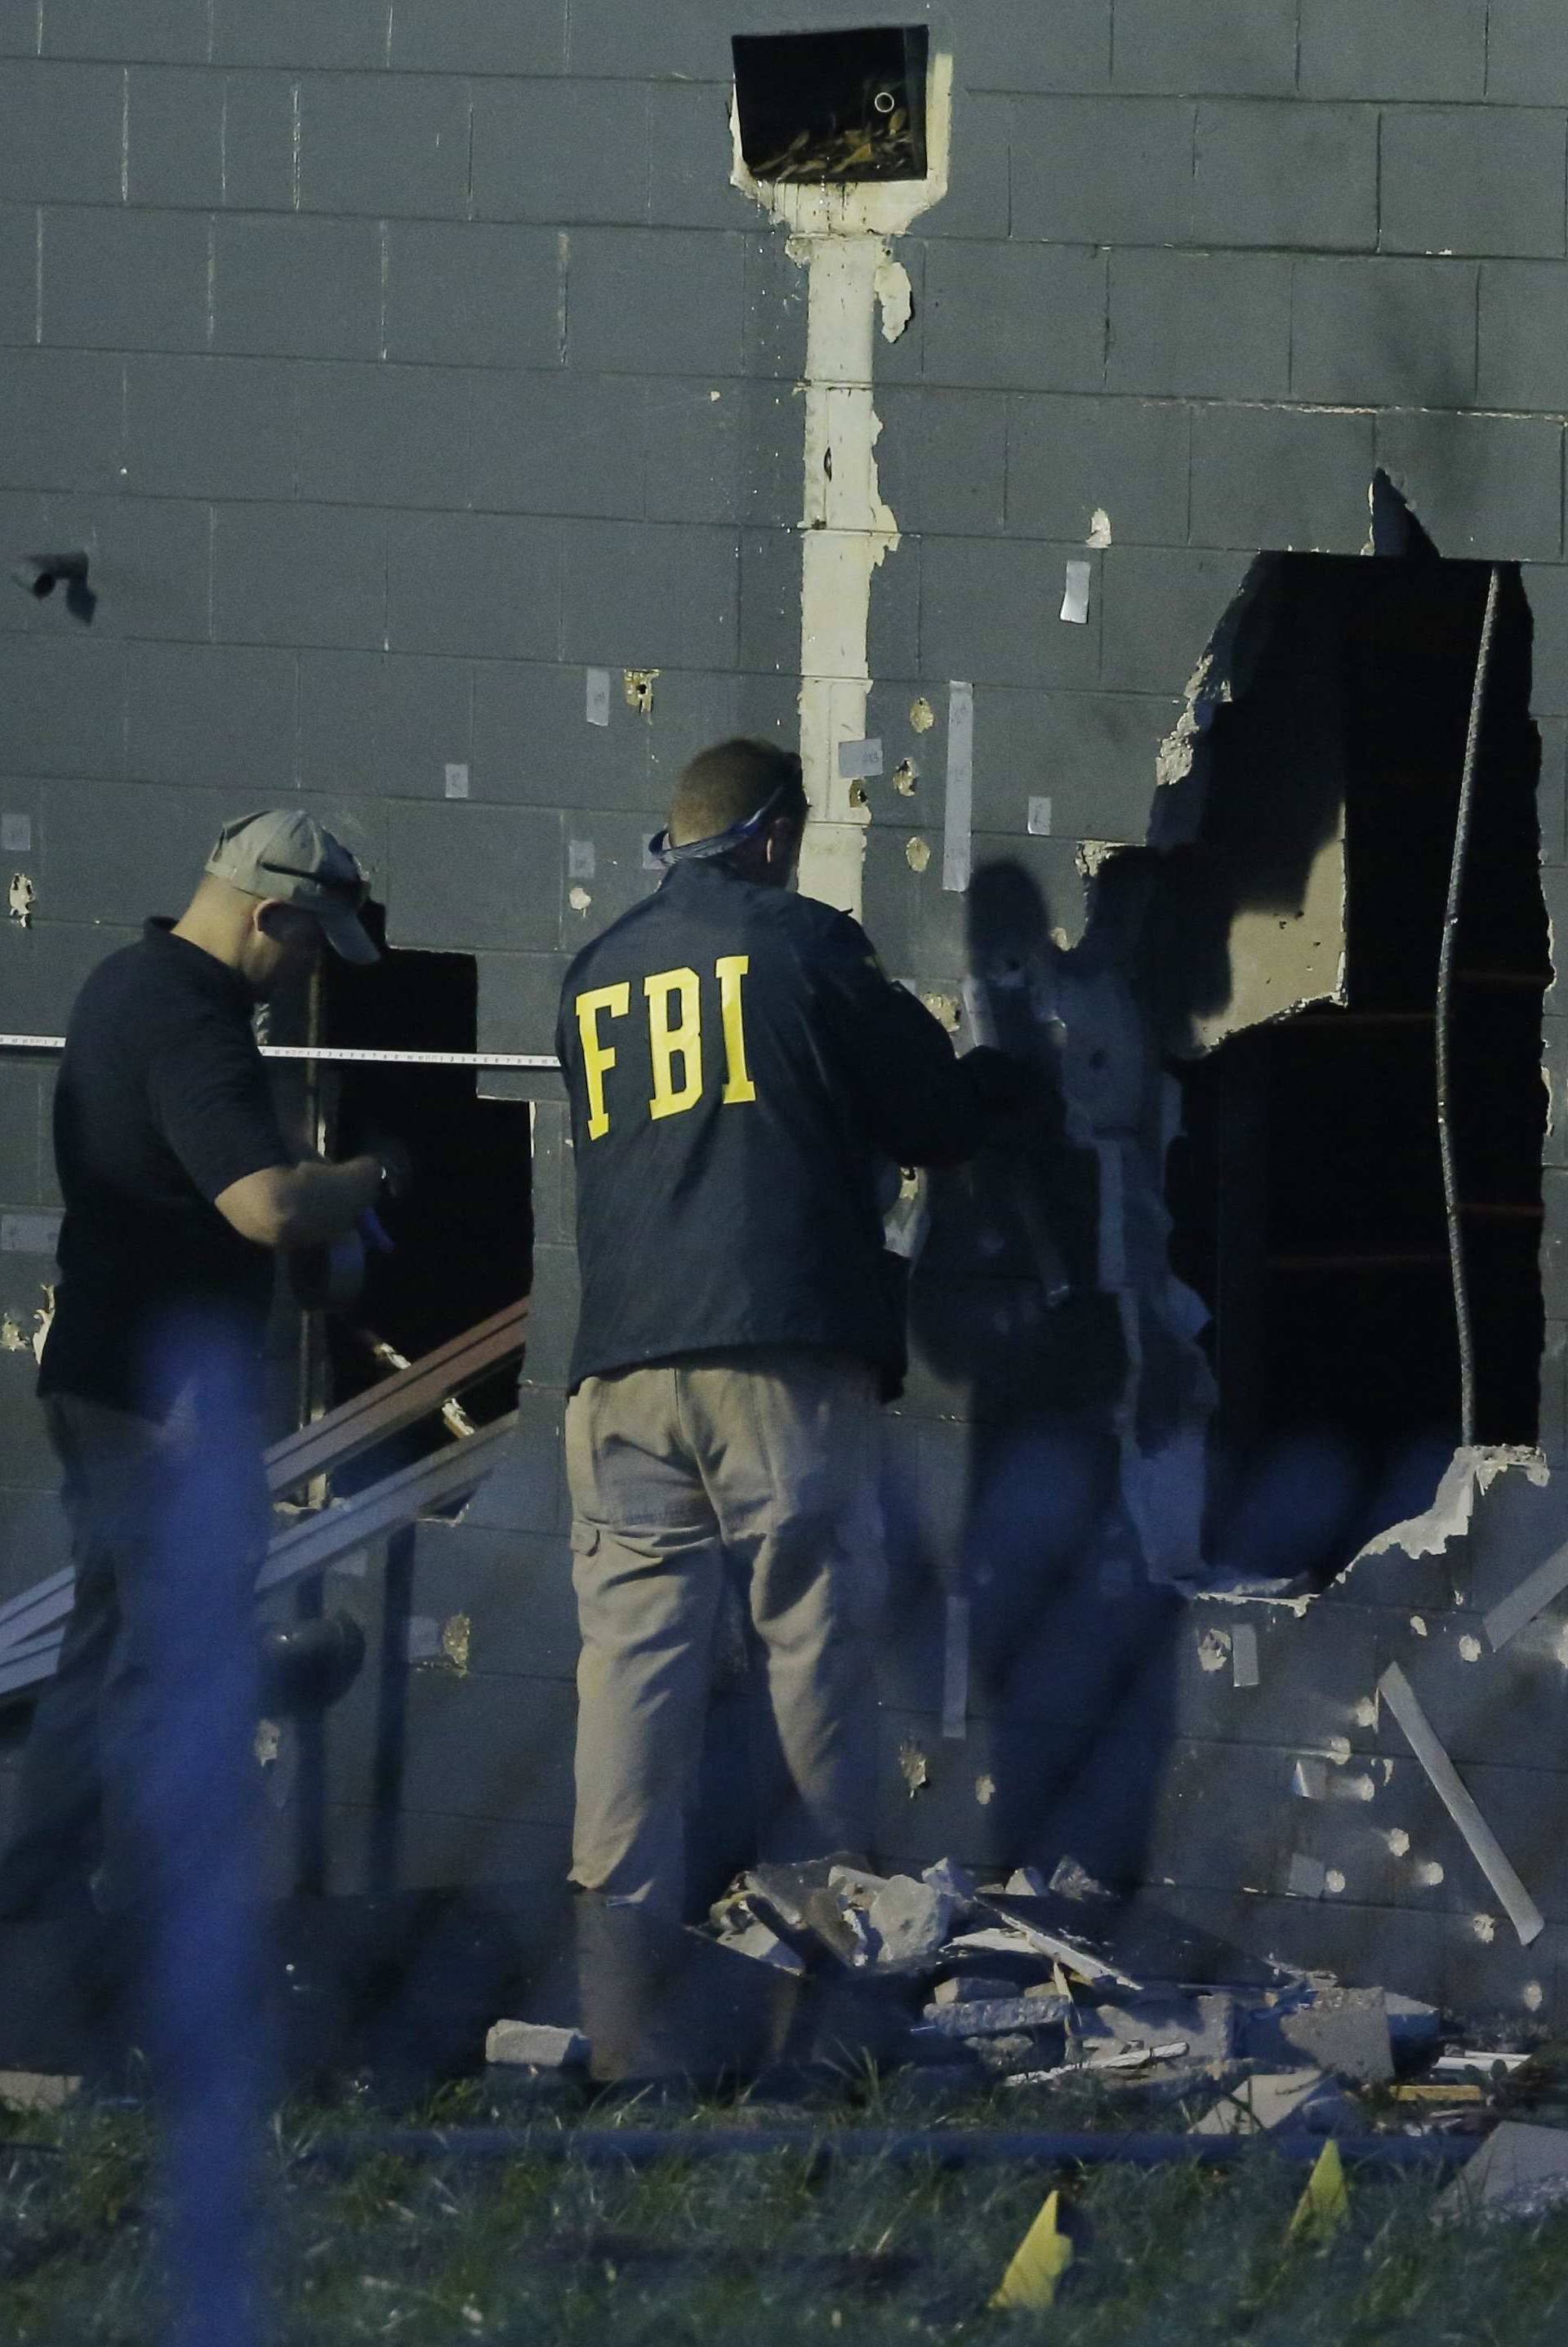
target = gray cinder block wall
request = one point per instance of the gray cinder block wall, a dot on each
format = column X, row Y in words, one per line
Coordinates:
column 400, row 360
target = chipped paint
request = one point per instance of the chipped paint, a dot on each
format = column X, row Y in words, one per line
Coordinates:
column 985, row 1790
column 268, row 1743
column 917, row 854
column 457, row 1641
column 1099, row 528
column 12, row 1338
column 922, row 716
column 841, row 235
column 579, row 900
column 906, row 775
column 21, row 899
column 637, row 684
column 913, row 1766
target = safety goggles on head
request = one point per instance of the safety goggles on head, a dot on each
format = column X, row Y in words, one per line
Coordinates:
column 722, row 842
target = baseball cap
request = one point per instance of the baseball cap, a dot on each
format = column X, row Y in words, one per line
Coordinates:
column 287, row 853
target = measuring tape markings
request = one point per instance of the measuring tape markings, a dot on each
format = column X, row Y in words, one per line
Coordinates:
column 337, row 1056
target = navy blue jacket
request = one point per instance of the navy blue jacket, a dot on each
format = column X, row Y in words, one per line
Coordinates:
column 739, row 1072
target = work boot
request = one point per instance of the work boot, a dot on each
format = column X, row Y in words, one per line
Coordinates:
column 627, row 1963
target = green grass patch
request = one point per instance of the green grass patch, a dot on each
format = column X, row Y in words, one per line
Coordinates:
column 764, row 2250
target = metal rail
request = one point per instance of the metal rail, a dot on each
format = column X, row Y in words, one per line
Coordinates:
column 31, row 1625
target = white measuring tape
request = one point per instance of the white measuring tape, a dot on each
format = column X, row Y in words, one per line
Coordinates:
column 338, row 1058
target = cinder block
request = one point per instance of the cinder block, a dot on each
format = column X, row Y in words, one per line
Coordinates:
column 686, row 42
column 991, row 614
column 942, row 460
column 553, row 1190
column 557, row 441
column 981, row 185
column 19, row 28
column 620, row 877
column 533, row 745
column 382, row 434
column 487, row 584
column 649, row 595
column 1523, row 333
column 1381, row 333
column 258, row 142
column 1436, row 51
column 41, row 973
column 62, row 705
column 382, row 722
column 1286, row 175
column 125, row 281
column 775, row 296
column 212, row 714
column 298, row 288
column 770, row 602
column 301, row 34
column 1014, row 316
column 1092, row 755
column 516, row 1589
column 1527, row 53
column 690, row 157
column 1462, row 178
column 893, row 637
column 63, row 420
column 1546, row 589
column 21, row 1144
column 207, row 427
column 474, row 295
column 1104, row 170
column 18, row 273
column 1012, row 44
column 394, row 145
column 163, row 32
column 1205, row 325
column 561, row 151
column 1479, row 485
column 1554, row 1244
column 469, row 877
column 656, row 301
column 475, row 36
column 299, row 575
column 174, row 147
column 150, row 561
column 1281, row 477
column 1551, row 791
column 1161, row 609
column 1243, row 47
column 738, row 456
column 118, row 852
column 519, row 997
column 1553, row 1435
column 60, row 132
column 552, row 1323
column 1069, row 459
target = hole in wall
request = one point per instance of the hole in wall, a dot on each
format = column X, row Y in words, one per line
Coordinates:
column 833, row 106
column 463, row 1237
column 1306, row 1190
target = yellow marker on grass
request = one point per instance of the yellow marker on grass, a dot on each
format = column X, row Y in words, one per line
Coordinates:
column 1324, row 2206
column 1042, row 2257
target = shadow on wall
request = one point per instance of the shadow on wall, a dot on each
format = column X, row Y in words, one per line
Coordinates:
column 1239, row 1392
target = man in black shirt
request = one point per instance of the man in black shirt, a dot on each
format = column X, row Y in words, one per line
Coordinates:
column 178, row 1190
column 741, row 1075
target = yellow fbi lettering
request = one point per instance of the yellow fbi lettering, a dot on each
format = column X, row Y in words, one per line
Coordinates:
column 674, row 1005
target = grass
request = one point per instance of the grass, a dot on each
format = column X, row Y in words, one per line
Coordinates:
column 764, row 2251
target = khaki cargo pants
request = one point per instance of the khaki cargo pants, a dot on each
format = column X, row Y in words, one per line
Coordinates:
column 760, row 1464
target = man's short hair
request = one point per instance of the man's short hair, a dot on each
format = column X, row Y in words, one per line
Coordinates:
column 725, row 784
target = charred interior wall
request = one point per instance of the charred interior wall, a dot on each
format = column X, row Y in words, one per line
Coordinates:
column 427, row 398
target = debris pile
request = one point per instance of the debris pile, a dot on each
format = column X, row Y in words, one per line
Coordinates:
column 1034, row 1984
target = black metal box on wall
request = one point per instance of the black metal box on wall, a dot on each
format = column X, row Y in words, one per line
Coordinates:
column 827, row 106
